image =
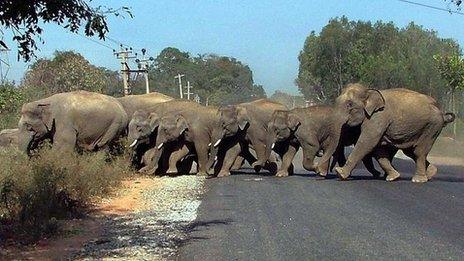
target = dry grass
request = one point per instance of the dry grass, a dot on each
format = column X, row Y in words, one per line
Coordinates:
column 35, row 193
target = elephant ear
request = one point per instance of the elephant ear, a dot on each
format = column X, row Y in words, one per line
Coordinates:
column 242, row 118
column 153, row 121
column 181, row 123
column 43, row 111
column 293, row 122
column 374, row 102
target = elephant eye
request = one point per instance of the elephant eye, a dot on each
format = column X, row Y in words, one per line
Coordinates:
column 349, row 104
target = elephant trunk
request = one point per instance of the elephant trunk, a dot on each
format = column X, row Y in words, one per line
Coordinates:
column 25, row 140
column 212, row 156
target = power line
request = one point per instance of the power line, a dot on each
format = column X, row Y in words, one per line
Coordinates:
column 95, row 41
column 432, row 7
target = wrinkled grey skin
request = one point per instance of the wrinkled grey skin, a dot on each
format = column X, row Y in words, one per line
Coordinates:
column 313, row 129
column 392, row 119
column 200, row 120
column 82, row 119
column 247, row 122
column 133, row 103
column 9, row 137
column 195, row 127
column 143, row 130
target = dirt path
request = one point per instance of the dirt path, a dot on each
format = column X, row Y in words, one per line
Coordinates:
column 147, row 219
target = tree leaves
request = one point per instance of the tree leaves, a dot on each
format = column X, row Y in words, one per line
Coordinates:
column 23, row 18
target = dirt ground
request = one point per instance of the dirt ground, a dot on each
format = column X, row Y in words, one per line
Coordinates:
column 75, row 233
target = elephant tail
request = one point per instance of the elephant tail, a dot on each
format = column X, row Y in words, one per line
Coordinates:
column 449, row 117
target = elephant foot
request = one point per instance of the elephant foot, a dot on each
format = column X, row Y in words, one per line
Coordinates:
column 341, row 173
column 257, row 166
column 223, row 173
column 320, row 171
column 202, row 173
column 419, row 178
column 431, row 171
column 171, row 171
column 271, row 167
column 393, row 175
column 282, row 173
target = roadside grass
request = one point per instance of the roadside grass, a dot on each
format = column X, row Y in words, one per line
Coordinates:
column 36, row 193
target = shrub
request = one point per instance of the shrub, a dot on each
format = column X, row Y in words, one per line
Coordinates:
column 35, row 193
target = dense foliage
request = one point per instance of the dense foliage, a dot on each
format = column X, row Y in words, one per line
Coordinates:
column 66, row 71
column 216, row 79
column 25, row 18
column 379, row 54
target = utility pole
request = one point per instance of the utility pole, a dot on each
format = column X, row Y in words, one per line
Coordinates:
column 188, row 90
column 143, row 68
column 4, row 64
column 179, row 76
column 123, row 55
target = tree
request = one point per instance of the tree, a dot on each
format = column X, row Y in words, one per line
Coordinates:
column 380, row 55
column 216, row 79
column 290, row 101
column 451, row 69
column 66, row 71
column 11, row 100
column 24, row 19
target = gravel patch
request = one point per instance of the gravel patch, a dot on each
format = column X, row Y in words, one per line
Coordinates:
column 156, row 230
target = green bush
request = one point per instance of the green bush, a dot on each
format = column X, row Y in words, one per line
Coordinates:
column 35, row 193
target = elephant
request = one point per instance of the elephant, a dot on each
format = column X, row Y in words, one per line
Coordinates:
column 145, row 127
column 133, row 103
column 180, row 128
column 247, row 124
column 313, row 129
column 9, row 137
column 391, row 119
column 78, row 119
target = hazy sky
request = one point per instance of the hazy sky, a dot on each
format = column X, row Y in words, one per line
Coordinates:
column 266, row 35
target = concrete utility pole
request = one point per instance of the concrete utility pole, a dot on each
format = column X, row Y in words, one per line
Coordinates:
column 179, row 76
column 143, row 68
column 188, row 90
column 4, row 64
column 123, row 55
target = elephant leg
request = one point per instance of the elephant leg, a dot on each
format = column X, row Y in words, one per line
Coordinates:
column 184, row 166
column 309, row 153
column 246, row 154
column 229, row 159
column 110, row 135
column 384, row 156
column 369, row 164
column 287, row 159
column 271, row 164
column 260, row 149
column 202, row 154
column 150, row 158
column 65, row 141
column 368, row 139
column 338, row 157
column 238, row 163
column 175, row 157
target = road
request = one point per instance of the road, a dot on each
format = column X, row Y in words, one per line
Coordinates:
column 303, row 217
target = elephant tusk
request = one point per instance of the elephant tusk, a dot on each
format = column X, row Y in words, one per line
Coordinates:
column 217, row 143
column 133, row 143
column 273, row 145
column 209, row 145
column 215, row 158
column 161, row 145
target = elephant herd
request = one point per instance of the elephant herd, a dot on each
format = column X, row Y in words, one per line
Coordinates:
column 167, row 135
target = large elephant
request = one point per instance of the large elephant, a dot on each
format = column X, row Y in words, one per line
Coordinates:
column 80, row 119
column 9, row 137
column 133, row 103
column 144, row 128
column 313, row 129
column 247, row 122
column 392, row 119
column 185, row 128
column 193, row 126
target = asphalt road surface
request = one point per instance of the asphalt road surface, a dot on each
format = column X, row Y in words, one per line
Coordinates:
column 304, row 217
